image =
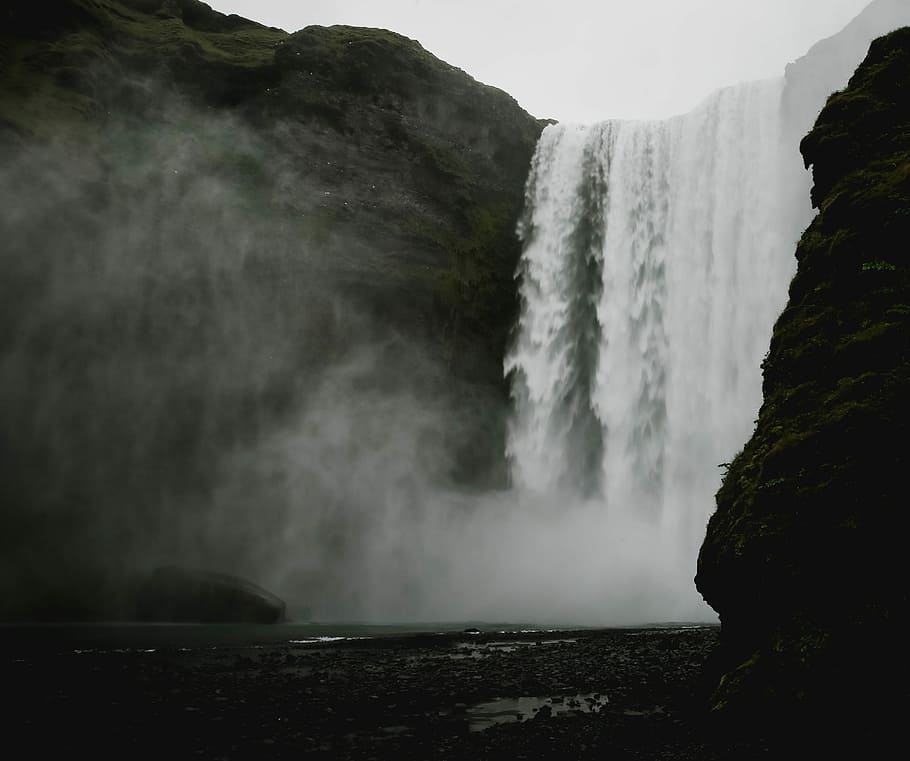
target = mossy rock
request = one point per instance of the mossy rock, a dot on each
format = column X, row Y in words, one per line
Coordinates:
column 803, row 557
column 338, row 187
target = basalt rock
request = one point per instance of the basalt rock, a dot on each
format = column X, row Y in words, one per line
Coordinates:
column 804, row 558
column 174, row 594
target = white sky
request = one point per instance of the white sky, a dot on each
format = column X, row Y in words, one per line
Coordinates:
column 582, row 60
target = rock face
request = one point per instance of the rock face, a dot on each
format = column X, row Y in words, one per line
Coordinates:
column 175, row 594
column 407, row 164
column 203, row 220
column 803, row 559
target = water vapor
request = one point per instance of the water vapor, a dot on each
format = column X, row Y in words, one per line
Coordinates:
column 201, row 364
column 188, row 376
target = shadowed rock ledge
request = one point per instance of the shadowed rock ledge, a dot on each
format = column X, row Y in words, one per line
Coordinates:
column 175, row 594
column 805, row 557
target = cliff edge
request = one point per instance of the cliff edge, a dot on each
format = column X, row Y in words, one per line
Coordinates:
column 804, row 557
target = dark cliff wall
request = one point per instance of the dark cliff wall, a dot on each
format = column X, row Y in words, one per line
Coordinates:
column 201, row 217
column 804, row 558
column 349, row 111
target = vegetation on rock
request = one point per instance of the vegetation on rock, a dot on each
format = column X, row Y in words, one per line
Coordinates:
column 201, row 214
column 804, row 557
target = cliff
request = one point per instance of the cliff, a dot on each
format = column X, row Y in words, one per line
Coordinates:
column 803, row 558
column 210, row 226
column 348, row 111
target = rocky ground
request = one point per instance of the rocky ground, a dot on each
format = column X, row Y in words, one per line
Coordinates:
column 618, row 694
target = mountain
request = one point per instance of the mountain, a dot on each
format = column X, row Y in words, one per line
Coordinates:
column 803, row 558
column 217, row 234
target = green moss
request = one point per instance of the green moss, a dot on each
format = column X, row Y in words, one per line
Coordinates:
column 878, row 266
column 37, row 95
column 811, row 515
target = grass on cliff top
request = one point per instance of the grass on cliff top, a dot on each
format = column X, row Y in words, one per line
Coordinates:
column 249, row 44
column 378, row 61
column 40, row 72
column 336, row 39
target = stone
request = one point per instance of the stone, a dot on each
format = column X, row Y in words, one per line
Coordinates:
column 180, row 594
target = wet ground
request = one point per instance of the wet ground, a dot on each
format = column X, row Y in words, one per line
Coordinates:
column 605, row 694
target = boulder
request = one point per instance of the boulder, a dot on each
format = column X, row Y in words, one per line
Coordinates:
column 182, row 594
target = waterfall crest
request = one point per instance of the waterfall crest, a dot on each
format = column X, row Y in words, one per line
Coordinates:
column 657, row 256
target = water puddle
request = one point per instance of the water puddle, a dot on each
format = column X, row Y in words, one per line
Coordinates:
column 324, row 640
column 504, row 710
column 477, row 650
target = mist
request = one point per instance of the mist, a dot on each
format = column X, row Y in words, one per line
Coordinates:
column 190, row 375
column 210, row 358
column 372, row 531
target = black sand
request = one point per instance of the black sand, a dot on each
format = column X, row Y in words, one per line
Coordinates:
column 605, row 694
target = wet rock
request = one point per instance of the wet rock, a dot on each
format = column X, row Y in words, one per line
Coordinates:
column 186, row 595
column 545, row 712
column 804, row 557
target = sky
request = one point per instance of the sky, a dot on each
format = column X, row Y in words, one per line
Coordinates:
column 588, row 60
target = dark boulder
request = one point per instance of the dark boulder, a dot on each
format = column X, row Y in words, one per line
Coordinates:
column 182, row 594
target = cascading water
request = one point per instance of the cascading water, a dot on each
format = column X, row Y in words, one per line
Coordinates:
column 657, row 257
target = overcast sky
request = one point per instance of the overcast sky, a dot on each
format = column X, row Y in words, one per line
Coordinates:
column 584, row 60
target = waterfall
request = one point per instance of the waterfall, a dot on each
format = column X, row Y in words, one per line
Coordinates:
column 657, row 256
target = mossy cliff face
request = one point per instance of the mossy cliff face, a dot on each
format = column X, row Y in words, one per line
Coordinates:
column 212, row 230
column 805, row 557
column 388, row 145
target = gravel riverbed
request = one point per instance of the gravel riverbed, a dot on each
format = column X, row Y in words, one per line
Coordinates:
column 617, row 694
